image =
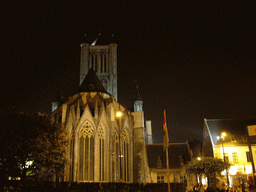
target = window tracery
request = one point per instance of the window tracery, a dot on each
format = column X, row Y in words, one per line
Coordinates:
column 86, row 152
column 125, row 156
column 115, row 152
column 86, row 130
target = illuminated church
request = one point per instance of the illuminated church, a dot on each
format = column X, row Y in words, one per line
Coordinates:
column 107, row 142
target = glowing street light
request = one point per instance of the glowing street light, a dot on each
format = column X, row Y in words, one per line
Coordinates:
column 222, row 137
column 119, row 115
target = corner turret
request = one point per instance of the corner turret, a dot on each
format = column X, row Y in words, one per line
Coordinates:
column 138, row 103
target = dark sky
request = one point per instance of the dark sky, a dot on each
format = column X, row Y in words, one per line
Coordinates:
column 196, row 59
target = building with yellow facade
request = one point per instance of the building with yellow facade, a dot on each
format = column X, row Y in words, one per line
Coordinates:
column 228, row 139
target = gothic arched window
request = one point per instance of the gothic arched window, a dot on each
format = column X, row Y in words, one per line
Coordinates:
column 101, row 153
column 125, row 156
column 86, row 152
column 115, row 156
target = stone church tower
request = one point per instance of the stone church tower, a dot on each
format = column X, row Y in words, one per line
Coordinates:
column 102, row 58
column 107, row 142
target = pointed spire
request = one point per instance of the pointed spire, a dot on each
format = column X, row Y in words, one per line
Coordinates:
column 138, row 103
column 59, row 98
column 96, row 112
column 85, row 35
column 137, row 96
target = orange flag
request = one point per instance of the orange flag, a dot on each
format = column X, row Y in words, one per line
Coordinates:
column 166, row 138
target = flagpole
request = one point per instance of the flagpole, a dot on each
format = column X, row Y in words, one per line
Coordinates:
column 166, row 147
column 168, row 174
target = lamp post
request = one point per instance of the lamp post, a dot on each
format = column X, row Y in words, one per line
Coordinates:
column 119, row 115
column 222, row 137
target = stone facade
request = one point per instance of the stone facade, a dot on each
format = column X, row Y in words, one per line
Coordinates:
column 99, row 141
column 104, row 147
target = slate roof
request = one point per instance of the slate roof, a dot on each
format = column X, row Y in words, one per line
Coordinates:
column 175, row 152
column 91, row 83
column 236, row 130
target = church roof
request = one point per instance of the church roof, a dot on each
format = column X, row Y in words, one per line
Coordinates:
column 178, row 153
column 91, row 83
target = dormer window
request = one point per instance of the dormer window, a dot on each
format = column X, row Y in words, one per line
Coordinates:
column 91, row 87
column 233, row 138
column 159, row 162
column 244, row 138
column 253, row 138
column 181, row 160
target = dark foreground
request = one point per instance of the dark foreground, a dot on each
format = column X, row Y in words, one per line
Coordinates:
column 92, row 187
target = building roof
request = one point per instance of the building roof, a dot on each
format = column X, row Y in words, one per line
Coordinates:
column 177, row 153
column 235, row 129
column 91, row 83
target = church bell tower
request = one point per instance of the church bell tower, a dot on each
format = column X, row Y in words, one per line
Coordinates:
column 103, row 60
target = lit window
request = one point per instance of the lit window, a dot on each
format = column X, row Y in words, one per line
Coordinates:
column 226, row 157
column 101, row 153
column 125, row 156
column 86, row 154
column 160, row 179
column 235, row 157
column 115, row 152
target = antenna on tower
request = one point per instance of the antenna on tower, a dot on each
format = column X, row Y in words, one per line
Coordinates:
column 85, row 35
column 99, row 29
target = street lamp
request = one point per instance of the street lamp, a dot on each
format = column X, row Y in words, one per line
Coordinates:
column 222, row 137
column 119, row 115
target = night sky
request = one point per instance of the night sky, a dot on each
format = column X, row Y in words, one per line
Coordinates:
column 196, row 59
